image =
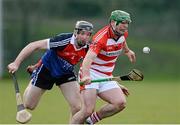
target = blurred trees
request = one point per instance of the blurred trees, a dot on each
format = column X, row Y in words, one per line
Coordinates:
column 29, row 20
column 160, row 16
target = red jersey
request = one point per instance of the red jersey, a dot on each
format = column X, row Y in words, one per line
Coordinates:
column 62, row 54
column 107, row 50
column 64, row 46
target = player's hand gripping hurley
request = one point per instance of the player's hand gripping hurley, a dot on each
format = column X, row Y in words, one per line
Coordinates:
column 22, row 116
column 134, row 75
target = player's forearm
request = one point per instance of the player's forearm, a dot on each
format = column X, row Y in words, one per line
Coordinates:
column 126, row 48
column 86, row 67
column 90, row 56
column 25, row 52
column 29, row 49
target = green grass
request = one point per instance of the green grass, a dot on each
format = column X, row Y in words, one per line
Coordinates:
column 150, row 102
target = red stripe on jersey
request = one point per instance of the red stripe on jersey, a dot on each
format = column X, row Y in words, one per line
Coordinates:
column 107, row 73
column 107, row 64
column 114, row 47
column 106, row 58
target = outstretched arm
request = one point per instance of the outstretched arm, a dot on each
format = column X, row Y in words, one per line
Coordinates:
column 25, row 52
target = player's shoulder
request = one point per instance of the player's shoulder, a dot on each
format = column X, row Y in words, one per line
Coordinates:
column 62, row 37
column 101, row 35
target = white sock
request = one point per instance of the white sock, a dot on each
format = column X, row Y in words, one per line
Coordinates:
column 94, row 118
column 89, row 121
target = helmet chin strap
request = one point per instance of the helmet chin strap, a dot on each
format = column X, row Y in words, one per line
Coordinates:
column 115, row 32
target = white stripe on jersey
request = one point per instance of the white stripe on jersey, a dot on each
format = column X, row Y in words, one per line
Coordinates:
column 37, row 74
column 60, row 43
column 103, row 68
column 100, row 75
column 48, row 42
column 100, row 61
column 111, row 53
column 112, row 42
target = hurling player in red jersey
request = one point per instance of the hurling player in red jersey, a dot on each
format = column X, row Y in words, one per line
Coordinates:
column 107, row 44
column 56, row 66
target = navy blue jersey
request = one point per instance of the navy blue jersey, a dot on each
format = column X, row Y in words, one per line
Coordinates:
column 62, row 54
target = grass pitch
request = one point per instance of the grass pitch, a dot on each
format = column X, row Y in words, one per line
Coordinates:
column 150, row 102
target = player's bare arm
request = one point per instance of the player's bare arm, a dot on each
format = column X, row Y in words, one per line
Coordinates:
column 90, row 56
column 26, row 51
column 129, row 53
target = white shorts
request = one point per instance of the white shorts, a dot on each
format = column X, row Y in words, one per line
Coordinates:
column 101, row 86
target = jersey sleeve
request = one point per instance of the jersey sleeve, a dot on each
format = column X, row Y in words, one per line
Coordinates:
column 96, row 45
column 60, row 41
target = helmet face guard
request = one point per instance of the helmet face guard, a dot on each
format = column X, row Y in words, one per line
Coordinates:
column 119, row 16
column 116, row 32
column 83, row 26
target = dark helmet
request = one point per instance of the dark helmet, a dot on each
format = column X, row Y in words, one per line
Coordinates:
column 83, row 25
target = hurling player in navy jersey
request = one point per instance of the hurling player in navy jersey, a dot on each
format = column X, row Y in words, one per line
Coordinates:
column 56, row 66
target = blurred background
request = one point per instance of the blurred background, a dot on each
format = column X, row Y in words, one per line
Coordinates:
column 155, row 23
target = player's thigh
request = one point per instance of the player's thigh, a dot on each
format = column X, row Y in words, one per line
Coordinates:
column 71, row 92
column 113, row 96
column 32, row 94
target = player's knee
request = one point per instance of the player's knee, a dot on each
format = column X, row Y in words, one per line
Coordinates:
column 75, row 108
column 30, row 106
column 120, row 105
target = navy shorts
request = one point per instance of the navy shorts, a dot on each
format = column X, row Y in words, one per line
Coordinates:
column 42, row 78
